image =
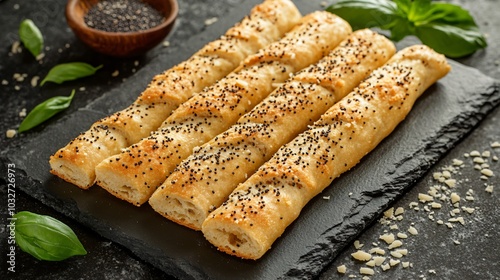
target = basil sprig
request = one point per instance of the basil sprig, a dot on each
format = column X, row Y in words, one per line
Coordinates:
column 31, row 37
column 45, row 111
column 447, row 28
column 69, row 71
column 46, row 238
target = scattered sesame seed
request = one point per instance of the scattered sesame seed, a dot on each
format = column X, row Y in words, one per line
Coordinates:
column 399, row 211
column 395, row 244
column 451, row 183
column 11, row 133
column 446, row 174
column 402, row 235
column 487, row 172
column 34, row 81
column 211, row 21
column 115, row 73
column 436, row 205
column 389, row 213
column 393, row 262
column 366, row 271
column 489, row 188
column 422, row 197
column 40, row 57
column 412, row 230
column 341, row 269
column 378, row 260
column 396, row 254
column 358, row 245
column 16, row 47
column 377, row 250
column 388, row 238
column 475, row 154
column 361, row 256
column 22, row 113
column 454, row 198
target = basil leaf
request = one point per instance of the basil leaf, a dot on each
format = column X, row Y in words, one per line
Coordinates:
column 31, row 37
column 450, row 40
column 366, row 13
column 45, row 111
column 445, row 13
column 69, row 71
column 404, row 6
column 46, row 238
column 450, row 30
column 400, row 29
column 419, row 10
column 447, row 28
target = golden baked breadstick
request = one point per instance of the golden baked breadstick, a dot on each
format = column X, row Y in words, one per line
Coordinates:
column 136, row 172
column 260, row 209
column 205, row 179
column 266, row 23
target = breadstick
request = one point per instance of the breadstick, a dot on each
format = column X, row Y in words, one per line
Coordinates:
column 136, row 173
column 260, row 209
column 266, row 23
column 205, row 179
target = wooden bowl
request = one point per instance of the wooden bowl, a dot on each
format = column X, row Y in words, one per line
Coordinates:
column 120, row 44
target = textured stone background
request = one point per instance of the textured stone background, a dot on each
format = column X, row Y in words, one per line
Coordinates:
column 432, row 250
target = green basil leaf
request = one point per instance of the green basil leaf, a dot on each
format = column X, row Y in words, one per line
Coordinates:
column 366, row 13
column 447, row 14
column 447, row 28
column 46, row 238
column 31, row 37
column 69, row 71
column 419, row 10
column 449, row 40
column 404, row 6
column 400, row 29
column 45, row 111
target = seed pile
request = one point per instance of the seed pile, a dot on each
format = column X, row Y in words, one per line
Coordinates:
column 123, row 16
column 448, row 202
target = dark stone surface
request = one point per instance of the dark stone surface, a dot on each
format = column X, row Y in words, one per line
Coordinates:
column 314, row 239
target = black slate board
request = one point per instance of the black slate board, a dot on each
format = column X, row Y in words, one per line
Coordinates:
column 444, row 114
